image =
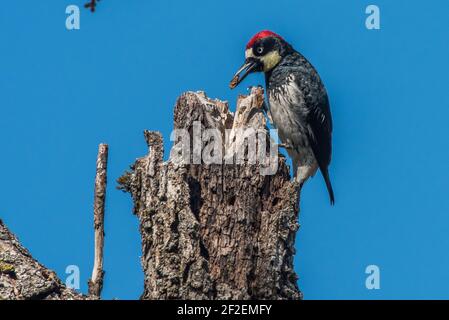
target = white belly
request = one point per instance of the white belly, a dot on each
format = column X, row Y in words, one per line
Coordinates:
column 290, row 125
column 292, row 132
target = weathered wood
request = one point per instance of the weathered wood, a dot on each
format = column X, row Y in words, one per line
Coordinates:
column 96, row 282
column 215, row 231
column 23, row 278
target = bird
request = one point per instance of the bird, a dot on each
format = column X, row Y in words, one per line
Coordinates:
column 298, row 104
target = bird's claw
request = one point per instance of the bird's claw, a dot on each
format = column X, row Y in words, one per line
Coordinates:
column 297, row 184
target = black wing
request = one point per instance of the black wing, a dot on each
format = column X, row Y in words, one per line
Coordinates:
column 319, row 122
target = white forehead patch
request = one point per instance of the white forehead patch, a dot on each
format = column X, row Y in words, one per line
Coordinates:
column 249, row 53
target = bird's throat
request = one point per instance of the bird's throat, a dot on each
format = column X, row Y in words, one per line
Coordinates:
column 271, row 60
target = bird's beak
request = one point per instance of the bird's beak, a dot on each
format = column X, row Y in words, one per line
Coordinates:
column 248, row 67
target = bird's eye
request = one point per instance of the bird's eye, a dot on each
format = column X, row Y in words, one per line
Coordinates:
column 259, row 50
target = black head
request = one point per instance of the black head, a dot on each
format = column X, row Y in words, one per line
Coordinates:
column 263, row 52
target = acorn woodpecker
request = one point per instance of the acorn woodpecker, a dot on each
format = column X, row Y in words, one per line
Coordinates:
column 298, row 105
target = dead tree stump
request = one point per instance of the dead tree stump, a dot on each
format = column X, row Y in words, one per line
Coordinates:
column 214, row 231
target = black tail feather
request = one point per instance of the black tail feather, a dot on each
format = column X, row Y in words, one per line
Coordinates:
column 325, row 173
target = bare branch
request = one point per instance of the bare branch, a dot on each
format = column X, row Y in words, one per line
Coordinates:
column 96, row 282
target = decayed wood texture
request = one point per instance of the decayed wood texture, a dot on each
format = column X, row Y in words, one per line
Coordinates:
column 96, row 281
column 214, row 231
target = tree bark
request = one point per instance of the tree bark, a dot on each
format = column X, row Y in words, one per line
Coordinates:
column 215, row 231
column 96, row 282
column 23, row 278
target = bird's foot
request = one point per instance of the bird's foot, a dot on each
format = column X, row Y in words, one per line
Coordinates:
column 297, row 184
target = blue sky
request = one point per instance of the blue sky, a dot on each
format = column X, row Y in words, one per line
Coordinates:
column 64, row 92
